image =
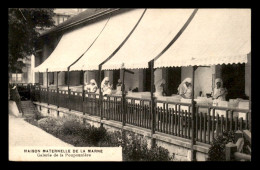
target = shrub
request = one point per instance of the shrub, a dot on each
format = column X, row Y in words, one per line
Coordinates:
column 112, row 139
column 94, row 136
column 217, row 149
column 51, row 125
column 72, row 126
column 37, row 116
column 135, row 148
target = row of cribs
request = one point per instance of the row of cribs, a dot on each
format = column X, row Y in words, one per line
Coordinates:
column 170, row 117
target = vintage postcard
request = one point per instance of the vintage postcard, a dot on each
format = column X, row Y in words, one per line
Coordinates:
column 119, row 84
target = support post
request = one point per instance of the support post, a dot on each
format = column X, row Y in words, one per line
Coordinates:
column 151, row 67
column 100, row 94
column 193, row 110
column 68, row 81
column 47, row 86
column 40, row 94
column 83, row 92
column 57, row 89
column 123, row 98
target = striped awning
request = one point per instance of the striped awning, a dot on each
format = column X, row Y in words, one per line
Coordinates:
column 115, row 32
column 71, row 46
column 154, row 32
column 214, row 36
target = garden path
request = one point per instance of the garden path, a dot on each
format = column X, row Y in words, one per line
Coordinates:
column 21, row 133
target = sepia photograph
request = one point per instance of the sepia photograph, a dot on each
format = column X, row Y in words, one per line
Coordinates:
column 129, row 84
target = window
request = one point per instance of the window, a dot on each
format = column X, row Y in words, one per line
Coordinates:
column 17, row 77
column 81, row 77
column 41, row 78
column 66, row 78
column 13, row 77
column 51, row 78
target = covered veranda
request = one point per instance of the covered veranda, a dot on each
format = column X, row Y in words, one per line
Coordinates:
column 154, row 39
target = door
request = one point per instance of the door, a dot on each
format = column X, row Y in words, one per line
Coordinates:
column 41, row 78
column 233, row 77
column 116, row 76
column 147, row 80
column 173, row 80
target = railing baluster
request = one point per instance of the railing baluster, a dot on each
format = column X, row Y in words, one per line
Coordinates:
column 185, row 124
column 133, row 109
column 149, row 116
column 208, row 128
column 135, row 120
column 200, row 127
column 217, row 126
column 204, row 132
column 167, row 119
column 231, row 120
column 179, row 121
column 137, row 114
column 140, row 114
column 197, row 121
column 221, row 124
column 213, row 124
column 143, row 115
column 172, row 122
column 236, row 123
column 182, row 113
column 247, row 115
column 249, row 118
column 241, row 123
column 189, row 121
column 175, row 120
column 161, row 119
column 226, row 128
column 110, row 115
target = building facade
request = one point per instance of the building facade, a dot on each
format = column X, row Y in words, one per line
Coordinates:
column 236, row 77
column 27, row 75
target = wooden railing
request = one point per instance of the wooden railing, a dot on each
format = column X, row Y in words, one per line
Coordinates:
column 171, row 118
column 112, row 107
column 91, row 104
column 138, row 112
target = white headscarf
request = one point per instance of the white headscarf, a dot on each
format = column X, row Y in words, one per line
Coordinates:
column 159, row 83
column 159, row 88
column 183, row 83
column 103, row 82
column 92, row 81
column 106, row 89
column 218, row 80
column 219, row 90
column 91, row 87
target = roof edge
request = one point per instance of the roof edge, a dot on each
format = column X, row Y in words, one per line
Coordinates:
column 78, row 22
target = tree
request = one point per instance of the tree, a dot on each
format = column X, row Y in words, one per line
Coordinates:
column 24, row 24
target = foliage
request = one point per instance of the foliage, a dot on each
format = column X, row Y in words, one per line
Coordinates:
column 51, row 125
column 86, row 135
column 37, row 115
column 217, row 149
column 24, row 24
column 135, row 147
